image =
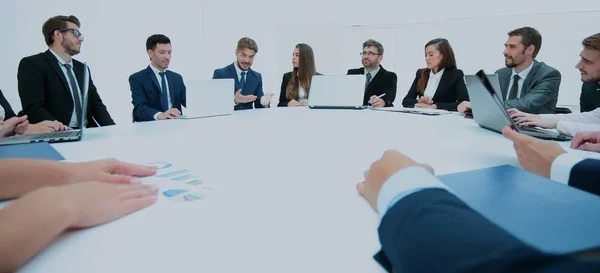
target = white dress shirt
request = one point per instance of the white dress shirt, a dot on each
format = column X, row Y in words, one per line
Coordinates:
column 2, row 113
column 562, row 166
column 433, row 83
column 522, row 75
column 61, row 63
column 571, row 124
column 159, row 79
column 301, row 93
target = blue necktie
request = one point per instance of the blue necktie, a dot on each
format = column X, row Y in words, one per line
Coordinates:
column 368, row 80
column 163, row 89
column 243, row 80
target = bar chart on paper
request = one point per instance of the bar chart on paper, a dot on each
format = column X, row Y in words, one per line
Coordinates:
column 183, row 185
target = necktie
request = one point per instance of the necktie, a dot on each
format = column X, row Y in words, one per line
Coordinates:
column 368, row 80
column 163, row 89
column 76, row 94
column 514, row 90
column 243, row 80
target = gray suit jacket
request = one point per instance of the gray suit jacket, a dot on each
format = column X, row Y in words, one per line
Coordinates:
column 539, row 93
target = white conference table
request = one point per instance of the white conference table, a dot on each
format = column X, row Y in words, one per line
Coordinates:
column 284, row 198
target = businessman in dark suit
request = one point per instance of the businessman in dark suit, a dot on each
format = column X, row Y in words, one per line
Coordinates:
column 426, row 228
column 590, row 97
column 526, row 84
column 248, row 91
column 50, row 82
column 378, row 81
column 157, row 93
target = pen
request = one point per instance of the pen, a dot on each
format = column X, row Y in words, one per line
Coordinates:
column 381, row 95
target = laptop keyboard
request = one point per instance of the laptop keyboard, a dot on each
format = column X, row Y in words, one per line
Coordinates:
column 64, row 134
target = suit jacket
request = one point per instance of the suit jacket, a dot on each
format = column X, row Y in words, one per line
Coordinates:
column 585, row 175
column 253, row 85
column 384, row 82
column 146, row 94
column 539, row 93
column 45, row 93
column 283, row 101
column 590, row 97
column 8, row 111
column 434, row 231
column 450, row 92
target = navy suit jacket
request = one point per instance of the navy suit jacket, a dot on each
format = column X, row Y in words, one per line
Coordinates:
column 434, row 231
column 253, row 85
column 146, row 93
column 585, row 175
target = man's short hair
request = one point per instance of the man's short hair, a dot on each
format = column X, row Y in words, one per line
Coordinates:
column 374, row 43
column 529, row 36
column 248, row 43
column 592, row 42
column 57, row 22
column 155, row 39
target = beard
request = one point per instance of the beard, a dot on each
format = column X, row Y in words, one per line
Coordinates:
column 511, row 64
column 592, row 79
column 70, row 47
column 368, row 64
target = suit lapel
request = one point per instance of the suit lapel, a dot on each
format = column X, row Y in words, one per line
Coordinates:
column 444, row 82
column 54, row 64
column 152, row 76
column 171, row 83
column 79, row 75
column 530, row 77
column 233, row 72
column 504, row 79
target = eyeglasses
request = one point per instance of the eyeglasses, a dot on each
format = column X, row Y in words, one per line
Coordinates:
column 370, row 54
column 75, row 32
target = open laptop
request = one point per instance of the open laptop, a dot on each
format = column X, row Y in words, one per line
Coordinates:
column 488, row 108
column 63, row 136
column 337, row 92
column 208, row 98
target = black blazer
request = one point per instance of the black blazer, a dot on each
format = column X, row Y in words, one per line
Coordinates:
column 590, row 97
column 8, row 111
column 384, row 82
column 450, row 93
column 45, row 93
column 585, row 175
column 283, row 101
column 434, row 231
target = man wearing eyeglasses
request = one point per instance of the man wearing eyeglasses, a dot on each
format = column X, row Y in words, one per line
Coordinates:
column 50, row 82
column 380, row 84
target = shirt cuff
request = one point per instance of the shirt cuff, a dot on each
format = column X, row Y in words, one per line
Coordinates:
column 155, row 117
column 404, row 183
column 562, row 165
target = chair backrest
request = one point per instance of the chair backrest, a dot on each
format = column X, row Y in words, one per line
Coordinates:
column 562, row 110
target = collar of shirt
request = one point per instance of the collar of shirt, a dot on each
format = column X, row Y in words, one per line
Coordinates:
column 523, row 74
column 239, row 71
column 60, row 60
column 437, row 76
column 374, row 72
column 156, row 71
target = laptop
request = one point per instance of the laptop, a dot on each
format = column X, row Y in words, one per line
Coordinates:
column 208, row 98
column 63, row 136
column 337, row 92
column 488, row 108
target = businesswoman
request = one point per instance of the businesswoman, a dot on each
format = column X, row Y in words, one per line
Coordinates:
column 295, row 86
column 441, row 85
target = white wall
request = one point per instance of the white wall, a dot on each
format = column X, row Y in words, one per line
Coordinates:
column 204, row 34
